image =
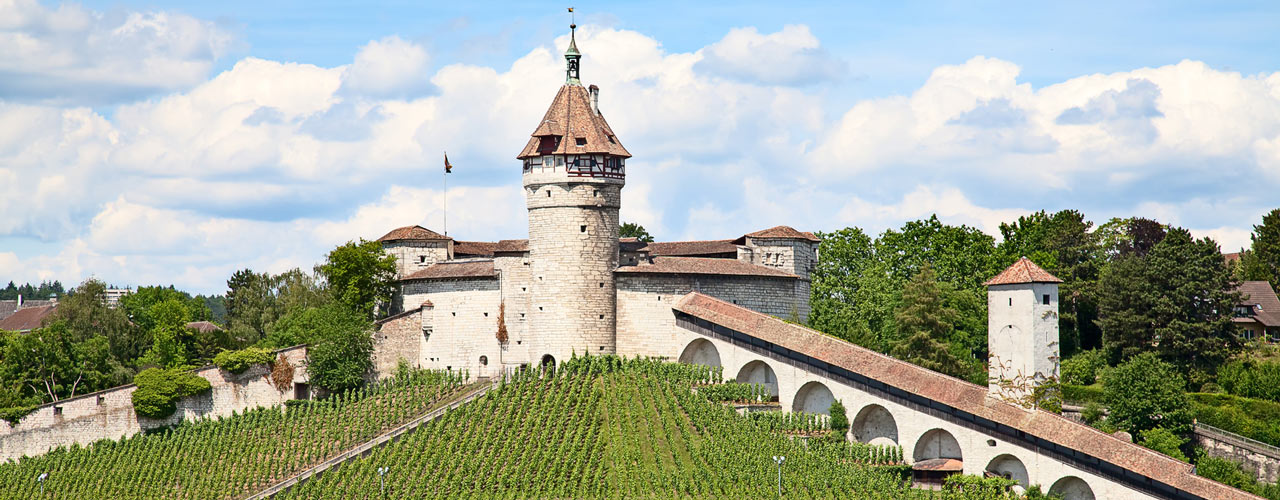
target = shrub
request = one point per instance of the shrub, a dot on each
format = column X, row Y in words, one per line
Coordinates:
column 1084, row 367
column 1048, row 397
column 839, row 419
column 1252, row 418
column 1144, row 393
column 241, row 360
column 1092, row 413
column 160, row 389
column 1163, row 441
column 14, row 414
column 1081, row 393
column 1251, row 379
column 1225, row 472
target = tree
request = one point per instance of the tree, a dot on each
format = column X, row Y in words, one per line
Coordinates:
column 632, row 230
column 137, row 305
column 251, row 305
column 850, row 295
column 1175, row 301
column 360, row 275
column 1263, row 261
column 340, row 345
column 924, row 323
column 839, row 419
column 53, row 363
column 1144, row 393
column 172, row 343
column 1163, row 441
column 85, row 315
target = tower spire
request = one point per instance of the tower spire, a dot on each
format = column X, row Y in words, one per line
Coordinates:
column 572, row 56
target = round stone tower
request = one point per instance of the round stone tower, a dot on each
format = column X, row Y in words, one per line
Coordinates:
column 574, row 170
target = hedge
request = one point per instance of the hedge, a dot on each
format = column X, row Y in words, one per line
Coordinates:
column 159, row 390
column 1081, row 394
column 239, row 361
column 1252, row 418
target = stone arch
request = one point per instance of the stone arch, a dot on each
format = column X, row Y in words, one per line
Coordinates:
column 759, row 372
column 875, row 425
column 813, row 397
column 549, row 361
column 937, row 443
column 701, row 352
column 1010, row 467
column 1072, row 488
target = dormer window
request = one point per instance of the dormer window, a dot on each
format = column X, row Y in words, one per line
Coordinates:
column 582, row 141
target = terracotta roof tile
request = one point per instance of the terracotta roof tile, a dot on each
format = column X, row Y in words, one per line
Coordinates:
column 1260, row 294
column 203, row 326
column 956, row 393
column 1231, row 257
column 473, row 248
column 573, row 104
column 692, row 248
column 782, row 232
column 508, row 246
column 703, row 265
column 455, row 269
column 1022, row 271
column 413, row 233
column 27, row 318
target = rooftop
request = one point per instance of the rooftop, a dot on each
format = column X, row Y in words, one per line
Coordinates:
column 570, row 116
column 27, row 318
column 961, row 395
column 1259, row 293
column 781, row 232
column 1022, row 271
column 703, row 265
column 473, row 248
column 413, row 233
column 456, row 270
column 692, row 248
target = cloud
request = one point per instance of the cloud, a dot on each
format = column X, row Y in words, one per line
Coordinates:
column 792, row 56
column 77, row 56
column 388, row 68
column 1125, row 113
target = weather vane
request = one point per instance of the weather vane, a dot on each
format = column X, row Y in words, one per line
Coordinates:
column 572, row 22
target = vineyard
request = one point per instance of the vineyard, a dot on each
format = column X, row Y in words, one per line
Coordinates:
column 230, row 457
column 605, row 427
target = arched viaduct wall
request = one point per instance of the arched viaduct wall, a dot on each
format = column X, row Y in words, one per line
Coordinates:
column 982, row 444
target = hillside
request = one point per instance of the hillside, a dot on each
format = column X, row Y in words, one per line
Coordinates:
column 606, row 428
column 230, row 457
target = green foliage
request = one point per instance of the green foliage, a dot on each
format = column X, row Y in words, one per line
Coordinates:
column 732, row 392
column 990, row 487
column 1251, row 379
column 86, row 315
column 141, row 306
column 1252, row 418
column 53, row 363
column 230, row 457
column 1048, row 397
column 45, row 291
column 360, row 275
column 1080, row 394
column 1262, row 262
column 160, row 389
column 241, row 360
column 924, row 323
column 632, row 230
column 1164, row 441
column 839, row 418
column 1176, row 301
column 1092, row 413
column 1144, row 393
column 254, row 301
column 340, row 346
column 1233, row 474
column 1084, row 367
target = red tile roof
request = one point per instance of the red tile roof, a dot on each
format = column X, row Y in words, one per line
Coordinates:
column 413, row 233
column 453, row 269
column 703, row 265
column 27, row 318
column 692, row 248
column 964, row 396
column 1022, row 271
column 473, row 248
column 571, row 111
column 1231, row 257
column 781, row 232
column 939, row 464
column 203, row 326
column 508, row 246
column 1260, row 294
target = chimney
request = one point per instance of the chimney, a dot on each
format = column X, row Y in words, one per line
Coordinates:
column 19, row 302
column 595, row 99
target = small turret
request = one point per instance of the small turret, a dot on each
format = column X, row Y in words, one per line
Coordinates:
column 571, row 57
column 1022, row 331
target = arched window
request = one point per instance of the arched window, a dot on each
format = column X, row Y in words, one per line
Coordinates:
column 484, row 361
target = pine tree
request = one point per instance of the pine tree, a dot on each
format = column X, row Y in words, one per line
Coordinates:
column 924, row 324
column 1262, row 261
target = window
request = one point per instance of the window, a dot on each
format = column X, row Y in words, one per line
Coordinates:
column 486, row 315
column 1010, row 301
column 422, row 259
column 582, row 141
column 1045, row 299
column 601, row 316
column 1248, row 334
column 548, row 192
column 57, row 410
column 582, row 229
column 484, row 361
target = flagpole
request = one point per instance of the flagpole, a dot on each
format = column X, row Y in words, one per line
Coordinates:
column 446, row 196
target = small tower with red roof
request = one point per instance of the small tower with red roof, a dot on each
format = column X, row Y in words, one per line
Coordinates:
column 1022, row 330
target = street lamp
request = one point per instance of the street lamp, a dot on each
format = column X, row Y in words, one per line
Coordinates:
column 43, row 476
column 778, row 459
column 382, row 471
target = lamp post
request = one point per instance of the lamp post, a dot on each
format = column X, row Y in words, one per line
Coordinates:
column 778, row 459
column 40, row 479
column 382, row 472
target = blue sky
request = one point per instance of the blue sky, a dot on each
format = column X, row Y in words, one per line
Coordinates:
column 148, row 143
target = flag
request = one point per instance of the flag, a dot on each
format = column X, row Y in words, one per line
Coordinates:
column 570, row 9
column 447, row 167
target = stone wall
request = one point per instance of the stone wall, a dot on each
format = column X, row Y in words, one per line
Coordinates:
column 645, row 320
column 515, row 272
column 415, row 255
column 399, row 338
column 109, row 414
column 1260, row 459
column 792, row 255
column 462, row 326
column 1022, row 338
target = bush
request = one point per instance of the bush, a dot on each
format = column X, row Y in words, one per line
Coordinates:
column 1092, row 413
column 1081, row 394
column 1163, row 441
column 340, row 347
column 1084, row 367
column 1251, row 379
column 14, row 414
column 839, row 419
column 239, row 361
column 1144, row 393
column 1252, row 418
column 160, row 389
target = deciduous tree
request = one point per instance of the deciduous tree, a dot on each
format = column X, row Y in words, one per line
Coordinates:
column 1144, row 393
column 360, row 275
